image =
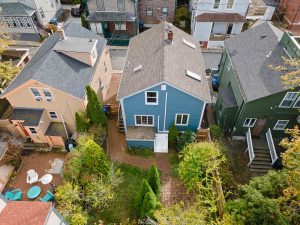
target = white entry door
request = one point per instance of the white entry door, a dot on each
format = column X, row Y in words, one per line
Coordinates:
column 161, row 143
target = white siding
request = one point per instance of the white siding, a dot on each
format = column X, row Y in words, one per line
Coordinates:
column 202, row 31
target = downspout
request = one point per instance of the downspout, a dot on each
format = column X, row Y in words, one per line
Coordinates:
column 62, row 118
column 165, row 113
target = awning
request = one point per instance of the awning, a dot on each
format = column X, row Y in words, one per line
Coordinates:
column 111, row 16
column 220, row 17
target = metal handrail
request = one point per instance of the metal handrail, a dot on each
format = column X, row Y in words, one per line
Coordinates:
column 271, row 146
column 250, row 147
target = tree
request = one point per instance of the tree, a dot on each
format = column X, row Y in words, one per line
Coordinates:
column 82, row 122
column 182, row 18
column 149, row 205
column 154, row 180
column 199, row 160
column 144, row 189
column 99, row 134
column 84, row 22
column 94, row 108
column 5, row 38
column 173, row 134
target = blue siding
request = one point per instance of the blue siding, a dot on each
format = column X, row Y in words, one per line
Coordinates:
column 177, row 102
column 143, row 144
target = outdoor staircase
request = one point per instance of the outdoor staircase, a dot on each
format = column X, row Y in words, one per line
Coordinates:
column 28, row 148
column 262, row 162
column 120, row 120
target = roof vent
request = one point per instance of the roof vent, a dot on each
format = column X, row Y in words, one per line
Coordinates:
column 264, row 35
column 137, row 68
column 193, row 75
column 190, row 44
column 269, row 54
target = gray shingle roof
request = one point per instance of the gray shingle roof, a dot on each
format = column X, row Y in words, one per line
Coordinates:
column 75, row 45
column 15, row 9
column 31, row 117
column 58, row 70
column 252, row 52
column 101, row 16
column 162, row 61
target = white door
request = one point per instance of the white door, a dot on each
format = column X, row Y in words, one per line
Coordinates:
column 161, row 143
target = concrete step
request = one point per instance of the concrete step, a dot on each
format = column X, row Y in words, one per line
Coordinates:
column 258, row 170
column 264, row 159
column 254, row 162
column 256, row 166
column 267, row 155
column 262, row 150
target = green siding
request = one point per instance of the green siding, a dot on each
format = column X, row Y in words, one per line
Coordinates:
column 290, row 45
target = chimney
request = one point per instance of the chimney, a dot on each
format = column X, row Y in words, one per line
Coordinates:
column 61, row 32
column 170, row 33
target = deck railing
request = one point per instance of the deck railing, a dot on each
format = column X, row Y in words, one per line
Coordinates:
column 250, row 147
column 271, row 145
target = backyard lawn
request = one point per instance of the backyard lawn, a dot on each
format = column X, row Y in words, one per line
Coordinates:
column 122, row 207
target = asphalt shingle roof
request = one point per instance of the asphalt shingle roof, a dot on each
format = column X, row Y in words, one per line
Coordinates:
column 58, row 70
column 31, row 117
column 220, row 17
column 252, row 52
column 163, row 61
column 15, row 9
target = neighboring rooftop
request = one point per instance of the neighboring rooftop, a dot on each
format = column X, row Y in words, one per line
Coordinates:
column 15, row 9
column 58, row 70
column 30, row 116
column 252, row 52
column 111, row 16
column 220, row 17
column 164, row 61
column 74, row 44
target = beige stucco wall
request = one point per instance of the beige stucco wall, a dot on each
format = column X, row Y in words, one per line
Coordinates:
column 63, row 103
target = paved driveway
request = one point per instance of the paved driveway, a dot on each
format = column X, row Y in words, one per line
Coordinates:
column 71, row 18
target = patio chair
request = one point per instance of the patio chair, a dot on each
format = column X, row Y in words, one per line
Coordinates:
column 47, row 197
column 15, row 195
column 32, row 177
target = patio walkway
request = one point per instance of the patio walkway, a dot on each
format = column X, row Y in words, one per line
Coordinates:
column 172, row 189
column 39, row 162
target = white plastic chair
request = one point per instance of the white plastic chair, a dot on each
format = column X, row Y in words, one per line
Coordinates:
column 32, row 177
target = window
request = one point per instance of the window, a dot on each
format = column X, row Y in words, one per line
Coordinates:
column 288, row 99
column 42, row 12
column 229, row 4
column 280, row 125
column 37, row 95
column 249, row 122
column 26, row 21
column 53, row 115
column 151, row 97
column 297, row 103
column 182, row 119
column 216, row 4
column 32, row 130
column 165, row 10
column 120, row 25
column 190, row 44
column 143, row 120
column 48, row 95
column 20, row 21
column 149, row 11
column 121, row 5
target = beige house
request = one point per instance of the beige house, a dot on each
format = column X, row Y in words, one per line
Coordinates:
column 51, row 88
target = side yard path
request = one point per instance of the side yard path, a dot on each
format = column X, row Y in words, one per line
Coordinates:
column 172, row 189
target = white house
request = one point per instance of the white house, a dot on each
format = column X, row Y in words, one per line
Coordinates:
column 213, row 21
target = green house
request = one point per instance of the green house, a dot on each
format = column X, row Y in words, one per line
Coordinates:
column 252, row 102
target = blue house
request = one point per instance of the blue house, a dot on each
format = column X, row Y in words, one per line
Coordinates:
column 163, row 82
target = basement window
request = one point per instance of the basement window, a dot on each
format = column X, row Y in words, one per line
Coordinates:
column 193, row 75
column 190, row 44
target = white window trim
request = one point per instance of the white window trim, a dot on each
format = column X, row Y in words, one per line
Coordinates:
column 297, row 100
column 280, row 105
column 31, row 132
column 54, row 113
column 182, row 114
column 151, row 103
column 144, row 125
column 46, row 98
column 35, row 97
column 214, row 5
column 148, row 11
column 278, row 121
column 250, row 120
column 226, row 7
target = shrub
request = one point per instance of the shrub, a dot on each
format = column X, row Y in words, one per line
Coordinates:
column 82, row 122
column 140, row 151
column 99, row 134
column 185, row 138
column 12, row 156
column 182, row 14
column 154, row 180
column 144, row 188
column 173, row 134
column 149, row 205
column 84, row 22
column 215, row 132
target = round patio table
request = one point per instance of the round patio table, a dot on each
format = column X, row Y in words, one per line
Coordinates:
column 33, row 192
column 46, row 179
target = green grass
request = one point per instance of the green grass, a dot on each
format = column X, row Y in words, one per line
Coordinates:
column 122, row 208
column 140, row 152
column 174, row 160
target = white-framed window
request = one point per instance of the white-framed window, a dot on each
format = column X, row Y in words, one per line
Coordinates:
column 37, row 95
column 249, row 122
column 120, row 25
column 53, row 115
column 149, row 11
column 165, row 10
column 229, row 4
column 280, row 124
column 297, row 103
column 48, row 95
column 32, row 130
column 151, row 97
column 144, row 120
column 288, row 99
column 182, row 119
column 42, row 12
column 216, row 4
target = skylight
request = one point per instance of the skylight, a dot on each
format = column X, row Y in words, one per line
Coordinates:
column 137, row 68
column 190, row 44
column 193, row 75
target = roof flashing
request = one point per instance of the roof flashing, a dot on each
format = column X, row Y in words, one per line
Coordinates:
column 193, row 75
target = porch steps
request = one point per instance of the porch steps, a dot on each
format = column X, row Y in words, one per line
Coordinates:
column 262, row 162
column 28, row 148
column 121, row 125
column 114, row 109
